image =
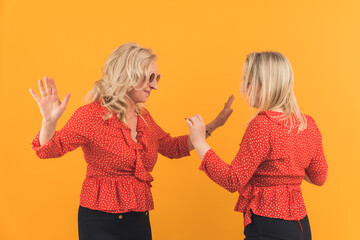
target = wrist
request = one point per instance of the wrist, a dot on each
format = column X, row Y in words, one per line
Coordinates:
column 211, row 127
column 48, row 123
column 202, row 149
column 199, row 144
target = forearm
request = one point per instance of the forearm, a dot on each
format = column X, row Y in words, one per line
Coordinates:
column 47, row 132
column 220, row 172
column 210, row 128
column 201, row 149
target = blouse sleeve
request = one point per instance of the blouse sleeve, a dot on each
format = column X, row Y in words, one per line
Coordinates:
column 171, row 147
column 254, row 149
column 317, row 169
column 75, row 133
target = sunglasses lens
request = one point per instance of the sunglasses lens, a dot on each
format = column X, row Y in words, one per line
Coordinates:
column 158, row 78
column 152, row 76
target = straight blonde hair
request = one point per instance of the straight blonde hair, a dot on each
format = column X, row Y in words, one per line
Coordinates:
column 267, row 81
column 126, row 68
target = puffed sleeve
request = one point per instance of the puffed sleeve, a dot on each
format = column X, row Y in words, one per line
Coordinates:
column 171, row 147
column 254, row 149
column 76, row 132
column 317, row 169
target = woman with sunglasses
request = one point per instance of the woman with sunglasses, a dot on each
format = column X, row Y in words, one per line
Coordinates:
column 120, row 141
column 281, row 147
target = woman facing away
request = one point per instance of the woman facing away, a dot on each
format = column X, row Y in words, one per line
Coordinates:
column 280, row 147
column 120, row 141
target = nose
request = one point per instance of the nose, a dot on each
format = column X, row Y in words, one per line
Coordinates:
column 154, row 84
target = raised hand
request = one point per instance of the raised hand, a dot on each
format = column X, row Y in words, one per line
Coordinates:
column 49, row 104
column 225, row 113
column 197, row 129
column 219, row 121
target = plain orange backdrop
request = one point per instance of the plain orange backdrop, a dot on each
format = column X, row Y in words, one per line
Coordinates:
column 201, row 46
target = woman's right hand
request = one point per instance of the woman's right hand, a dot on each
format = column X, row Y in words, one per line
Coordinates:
column 49, row 104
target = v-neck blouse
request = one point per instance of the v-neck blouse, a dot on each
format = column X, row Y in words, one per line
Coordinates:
column 118, row 175
column 269, row 167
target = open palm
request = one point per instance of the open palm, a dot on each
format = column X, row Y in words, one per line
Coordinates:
column 225, row 112
column 49, row 104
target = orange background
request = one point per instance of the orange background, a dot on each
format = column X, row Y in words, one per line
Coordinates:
column 201, row 47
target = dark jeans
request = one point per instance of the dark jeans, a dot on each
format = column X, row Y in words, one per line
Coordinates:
column 264, row 228
column 98, row 225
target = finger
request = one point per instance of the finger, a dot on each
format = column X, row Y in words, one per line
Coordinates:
column 65, row 101
column 230, row 112
column 53, row 86
column 229, row 101
column 189, row 123
column 191, row 120
column 194, row 120
column 36, row 97
column 47, row 85
column 41, row 88
column 200, row 119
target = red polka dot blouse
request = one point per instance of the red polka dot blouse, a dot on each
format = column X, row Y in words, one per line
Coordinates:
column 269, row 167
column 118, row 168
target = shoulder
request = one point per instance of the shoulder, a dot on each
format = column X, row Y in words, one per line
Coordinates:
column 262, row 120
column 146, row 114
column 309, row 119
column 260, row 126
column 89, row 111
column 311, row 125
column 310, row 122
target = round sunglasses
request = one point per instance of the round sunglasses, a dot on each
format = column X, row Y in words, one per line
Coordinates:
column 154, row 77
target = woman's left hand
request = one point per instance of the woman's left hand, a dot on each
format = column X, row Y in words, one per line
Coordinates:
column 197, row 129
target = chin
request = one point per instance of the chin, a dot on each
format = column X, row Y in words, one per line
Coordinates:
column 142, row 100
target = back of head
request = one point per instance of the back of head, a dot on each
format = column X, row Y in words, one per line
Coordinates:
column 126, row 68
column 268, row 81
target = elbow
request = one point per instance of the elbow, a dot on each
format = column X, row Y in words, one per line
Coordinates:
column 41, row 156
column 232, row 190
column 44, row 157
column 233, row 184
column 320, row 183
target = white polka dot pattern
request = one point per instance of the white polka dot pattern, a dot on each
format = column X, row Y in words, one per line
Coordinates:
column 118, row 168
column 270, row 166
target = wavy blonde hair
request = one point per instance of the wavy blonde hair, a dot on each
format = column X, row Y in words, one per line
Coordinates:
column 267, row 81
column 126, row 68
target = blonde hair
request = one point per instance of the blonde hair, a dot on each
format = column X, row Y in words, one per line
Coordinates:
column 126, row 68
column 268, row 80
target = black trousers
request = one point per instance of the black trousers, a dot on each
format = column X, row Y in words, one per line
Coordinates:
column 98, row 225
column 264, row 228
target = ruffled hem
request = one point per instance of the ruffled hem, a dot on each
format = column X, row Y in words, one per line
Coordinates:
column 120, row 194
column 282, row 202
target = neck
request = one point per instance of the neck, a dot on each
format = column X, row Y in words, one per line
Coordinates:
column 277, row 110
column 131, row 108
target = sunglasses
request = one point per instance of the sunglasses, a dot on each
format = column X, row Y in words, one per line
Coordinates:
column 154, row 77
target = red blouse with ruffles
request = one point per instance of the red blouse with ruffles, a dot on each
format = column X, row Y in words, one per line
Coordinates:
column 118, row 168
column 270, row 166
